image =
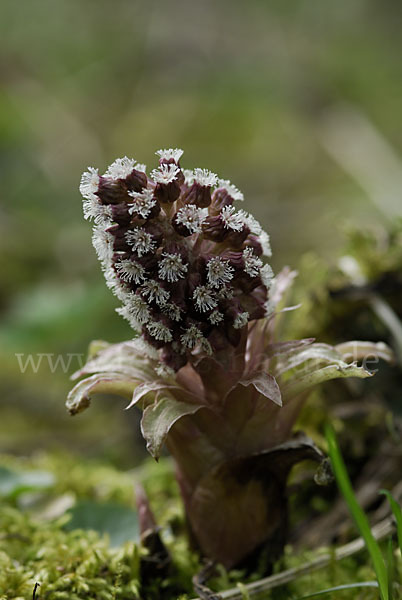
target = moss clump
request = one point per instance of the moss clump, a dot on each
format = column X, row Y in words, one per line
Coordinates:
column 80, row 565
column 75, row 565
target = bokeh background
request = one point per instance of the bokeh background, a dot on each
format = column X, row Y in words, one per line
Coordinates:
column 297, row 102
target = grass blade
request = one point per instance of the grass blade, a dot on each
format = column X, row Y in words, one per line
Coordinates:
column 390, row 562
column 397, row 511
column 356, row 511
column 338, row 588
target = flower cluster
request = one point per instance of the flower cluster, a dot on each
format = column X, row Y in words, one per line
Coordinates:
column 185, row 262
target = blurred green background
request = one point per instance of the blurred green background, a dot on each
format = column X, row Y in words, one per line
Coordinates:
column 297, row 102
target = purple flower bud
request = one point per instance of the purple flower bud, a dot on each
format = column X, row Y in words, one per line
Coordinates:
column 236, row 238
column 198, row 195
column 220, row 199
column 167, row 192
column 111, row 192
column 120, row 214
column 252, row 242
column 214, row 230
column 136, row 181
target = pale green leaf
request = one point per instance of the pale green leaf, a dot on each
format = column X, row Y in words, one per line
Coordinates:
column 119, row 358
column 310, row 378
column 80, row 396
column 159, row 418
column 145, row 388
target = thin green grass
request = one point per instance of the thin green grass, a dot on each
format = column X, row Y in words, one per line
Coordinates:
column 396, row 509
column 338, row 588
column 357, row 513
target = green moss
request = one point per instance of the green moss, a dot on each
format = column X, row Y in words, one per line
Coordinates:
column 73, row 565
column 80, row 565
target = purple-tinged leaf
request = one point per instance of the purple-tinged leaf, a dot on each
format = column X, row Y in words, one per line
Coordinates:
column 118, row 358
column 266, row 385
column 146, row 517
column 280, row 348
column 282, row 282
column 240, row 504
column 144, row 388
column 159, row 418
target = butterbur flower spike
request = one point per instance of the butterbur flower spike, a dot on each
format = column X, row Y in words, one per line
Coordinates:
column 215, row 384
column 156, row 250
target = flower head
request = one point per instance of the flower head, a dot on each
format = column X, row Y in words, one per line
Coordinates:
column 185, row 263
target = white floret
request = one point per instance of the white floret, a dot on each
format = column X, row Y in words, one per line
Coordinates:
column 172, row 311
column 204, row 298
column 215, row 317
column 188, row 176
column 120, row 168
column 265, row 244
column 130, row 270
column 219, row 271
column 191, row 337
column 170, row 153
column 241, row 320
column 252, row 264
column 166, row 173
column 118, row 287
column 231, row 219
column 251, row 222
column 231, row 189
column 192, row 217
column 141, row 241
column 89, row 183
column 125, row 312
column 153, row 291
column 143, row 203
column 204, row 177
column 136, row 308
column 159, row 331
column 267, row 275
column 102, row 241
column 100, row 213
column 171, row 267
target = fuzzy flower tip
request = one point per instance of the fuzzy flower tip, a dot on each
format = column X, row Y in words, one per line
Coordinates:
column 186, row 264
